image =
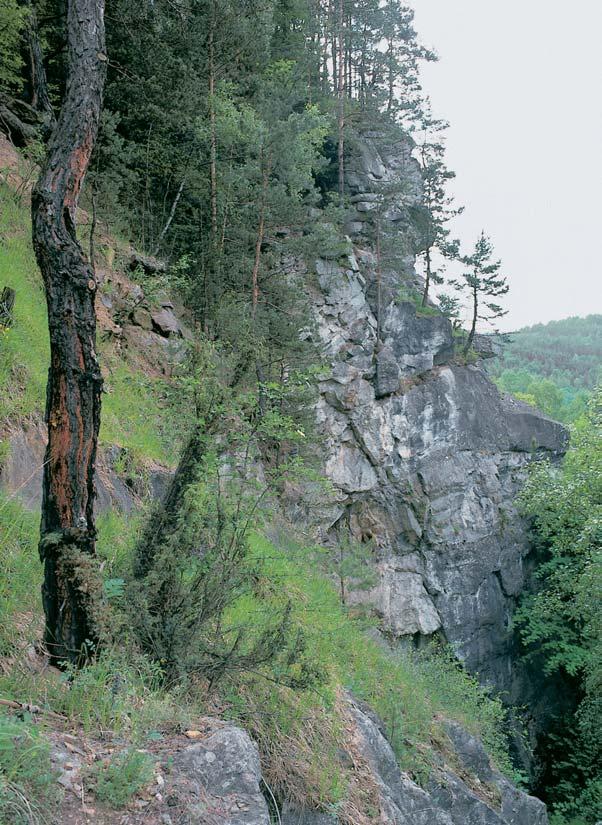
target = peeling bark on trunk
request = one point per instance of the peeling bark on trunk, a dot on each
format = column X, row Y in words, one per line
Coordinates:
column 68, row 533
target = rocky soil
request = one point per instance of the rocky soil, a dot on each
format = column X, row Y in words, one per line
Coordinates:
column 215, row 779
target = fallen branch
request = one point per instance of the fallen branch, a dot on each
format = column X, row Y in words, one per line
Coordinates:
column 26, row 707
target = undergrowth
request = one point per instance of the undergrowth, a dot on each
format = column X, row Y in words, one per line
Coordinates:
column 408, row 690
column 27, row 786
column 300, row 732
column 116, row 783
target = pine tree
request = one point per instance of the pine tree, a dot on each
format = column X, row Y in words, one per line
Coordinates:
column 68, row 532
column 483, row 282
column 12, row 22
column 437, row 202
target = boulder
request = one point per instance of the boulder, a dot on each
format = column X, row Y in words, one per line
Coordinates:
column 165, row 322
column 141, row 317
column 224, row 775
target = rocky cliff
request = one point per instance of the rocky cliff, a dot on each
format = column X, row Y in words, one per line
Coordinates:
column 424, row 454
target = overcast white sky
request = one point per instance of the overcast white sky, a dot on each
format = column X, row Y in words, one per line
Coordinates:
column 521, row 83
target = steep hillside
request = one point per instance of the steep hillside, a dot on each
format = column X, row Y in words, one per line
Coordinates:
column 294, row 583
column 569, row 352
column 139, row 425
column 114, row 735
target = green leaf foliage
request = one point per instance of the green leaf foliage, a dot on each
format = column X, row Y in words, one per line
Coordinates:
column 12, row 21
column 561, row 623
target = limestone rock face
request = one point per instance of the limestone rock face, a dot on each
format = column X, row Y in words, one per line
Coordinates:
column 426, row 458
column 424, row 454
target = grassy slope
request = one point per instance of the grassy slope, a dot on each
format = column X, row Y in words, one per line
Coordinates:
column 132, row 414
column 300, row 732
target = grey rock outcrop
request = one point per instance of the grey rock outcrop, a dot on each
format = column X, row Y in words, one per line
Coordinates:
column 425, row 456
column 464, row 788
column 213, row 782
column 22, row 469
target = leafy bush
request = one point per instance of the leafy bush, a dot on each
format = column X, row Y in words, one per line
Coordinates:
column 193, row 562
column 562, row 621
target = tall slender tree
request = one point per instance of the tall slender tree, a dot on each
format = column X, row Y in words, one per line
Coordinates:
column 68, row 533
column 438, row 203
column 483, row 282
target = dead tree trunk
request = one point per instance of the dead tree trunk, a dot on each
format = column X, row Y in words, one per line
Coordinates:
column 68, row 533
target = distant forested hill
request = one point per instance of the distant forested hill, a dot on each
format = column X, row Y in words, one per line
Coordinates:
column 554, row 366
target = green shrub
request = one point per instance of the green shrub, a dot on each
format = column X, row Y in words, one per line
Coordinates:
column 561, row 623
column 116, row 783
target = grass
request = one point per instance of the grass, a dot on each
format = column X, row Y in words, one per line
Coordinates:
column 412, row 296
column 24, row 351
column 134, row 415
column 408, row 690
column 21, row 574
column 27, row 786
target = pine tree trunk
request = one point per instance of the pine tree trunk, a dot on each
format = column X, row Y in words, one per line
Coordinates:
column 169, row 221
column 341, row 100
column 379, row 280
column 427, row 283
column 391, row 84
column 333, row 45
column 475, row 311
column 213, row 135
column 68, row 533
